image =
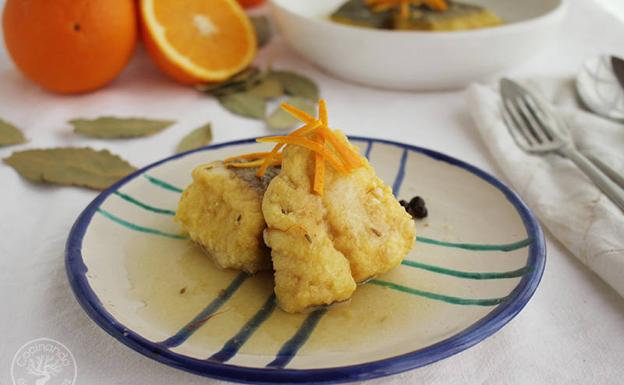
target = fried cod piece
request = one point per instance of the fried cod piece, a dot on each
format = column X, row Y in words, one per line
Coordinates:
column 322, row 245
column 357, row 13
column 457, row 17
column 222, row 212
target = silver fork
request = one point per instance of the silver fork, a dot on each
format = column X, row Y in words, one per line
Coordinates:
column 537, row 131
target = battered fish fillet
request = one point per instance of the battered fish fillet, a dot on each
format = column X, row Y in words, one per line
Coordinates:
column 322, row 245
column 457, row 17
column 221, row 211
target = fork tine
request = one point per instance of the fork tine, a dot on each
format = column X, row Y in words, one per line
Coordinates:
column 518, row 135
column 536, row 128
column 540, row 116
column 519, row 123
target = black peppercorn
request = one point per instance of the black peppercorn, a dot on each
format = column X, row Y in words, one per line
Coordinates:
column 416, row 207
column 419, row 212
column 417, row 202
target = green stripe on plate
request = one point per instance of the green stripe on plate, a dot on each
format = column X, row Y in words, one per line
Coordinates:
column 142, row 205
column 477, row 246
column 439, row 297
column 141, row 229
column 468, row 274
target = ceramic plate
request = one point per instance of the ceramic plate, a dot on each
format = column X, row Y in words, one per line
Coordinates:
column 478, row 258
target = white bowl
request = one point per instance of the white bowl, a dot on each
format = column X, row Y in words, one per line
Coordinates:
column 417, row 60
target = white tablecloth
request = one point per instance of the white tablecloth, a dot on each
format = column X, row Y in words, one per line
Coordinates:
column 571, row 332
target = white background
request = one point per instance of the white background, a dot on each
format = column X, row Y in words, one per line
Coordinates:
column 572, row 331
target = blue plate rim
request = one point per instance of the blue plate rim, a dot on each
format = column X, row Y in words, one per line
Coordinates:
column 76, row 272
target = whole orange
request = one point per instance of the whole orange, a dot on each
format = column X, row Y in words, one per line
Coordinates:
column 70, row 46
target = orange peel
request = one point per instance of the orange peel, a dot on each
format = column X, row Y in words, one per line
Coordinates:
column 316, row 136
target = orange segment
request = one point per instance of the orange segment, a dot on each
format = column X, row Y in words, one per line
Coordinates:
column 196, row 41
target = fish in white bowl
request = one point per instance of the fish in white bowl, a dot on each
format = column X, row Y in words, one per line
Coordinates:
column 418, row 60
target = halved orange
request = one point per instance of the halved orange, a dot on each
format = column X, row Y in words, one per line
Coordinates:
column 198, row 41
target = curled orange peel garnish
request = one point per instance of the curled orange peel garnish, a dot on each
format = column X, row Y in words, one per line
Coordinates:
column 310, row 145
column 318, row 184
column 299, row 114
column 316, row 136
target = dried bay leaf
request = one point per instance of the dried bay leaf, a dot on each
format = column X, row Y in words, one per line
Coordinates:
column 296, row 85
column 270, row 88
column 109, row 127
column 244, row 104
column 240, row 82
column 9, row 134
column 197, row 138
column 262, row 26
column 74, row 166
column 282, row 120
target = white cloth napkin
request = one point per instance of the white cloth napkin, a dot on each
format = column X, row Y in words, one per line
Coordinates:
column 575, row 211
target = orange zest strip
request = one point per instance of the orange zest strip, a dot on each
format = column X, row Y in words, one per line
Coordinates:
column 319, row 161
column 381, row 8
column 309, row 127
column 299, row 114
column 300, row 131
column 404, row 10
column 316, row 136
column 310, row 145
column 319, row 165
column 254, row 163
column 267, row 161
column 440, row 5
column 323, row 112
column 346, row 153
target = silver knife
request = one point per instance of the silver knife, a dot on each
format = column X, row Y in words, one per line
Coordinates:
column 618, row 69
